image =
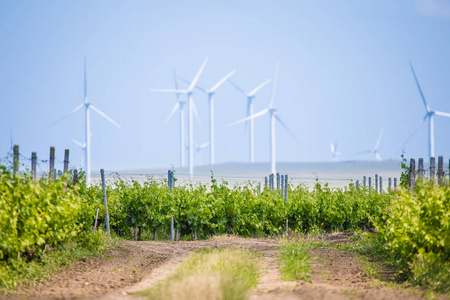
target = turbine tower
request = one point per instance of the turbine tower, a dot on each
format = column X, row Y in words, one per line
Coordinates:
column 87, row 144
column 374, row 150
column 210, row 94
column 273, row 116
column 179, row 105
column 333, row 147
column 250, row 96
column 191, row 108
column 428, row 115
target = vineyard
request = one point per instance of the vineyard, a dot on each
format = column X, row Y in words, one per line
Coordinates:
column 413, row 227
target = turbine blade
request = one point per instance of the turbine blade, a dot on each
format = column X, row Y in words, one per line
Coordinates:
column 85, row 79
column 442, row 114
column 197, row 86
column 177, row 105
column 104, row 115
column 272, row 96
column 68, row 115
column 252, row 93
column 379, row 139
column 258, row 114
column 203, row 145
column 176, row 84
column 169, row 91
column 78, row 143
column 287, row 128
column 194, row 109
column 237, row 87
column 216, row 86
column 377, row 156
column 418, row 86
column 414, row 132
column 197, row 76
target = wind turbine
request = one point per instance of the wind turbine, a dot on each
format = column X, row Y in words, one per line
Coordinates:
column 82, row 146
column 87, row 144
column 198, row 149
column 191, row 108
column 179, row 105
column 210, row 94
column 374, row 150
column 250, row 96
column 333, row 147
column 428, row 115
column 273, row 116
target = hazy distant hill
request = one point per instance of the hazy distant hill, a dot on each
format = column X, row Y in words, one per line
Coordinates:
column 337, row 174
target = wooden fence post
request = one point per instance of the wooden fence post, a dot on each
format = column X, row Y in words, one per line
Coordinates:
column 286, row 187
column 16, row 159
column 51, row 172
column 75, row 177
column 357, row 183
column 66, row 160
column 432, row 168
column 395, row 183
column 259, row 188
column 381, row 185
column 376, row 183
column 105, row 200
column 170, row 182
column 370, row 184
column 390, row 183
column 265, row 181
column 420, row 169
column 270, row 181
column 282, row 186
column 33, row 165
column 440, row 170
column 96, row 220
column 364, row 180
column 412, row 174
column 278, row 181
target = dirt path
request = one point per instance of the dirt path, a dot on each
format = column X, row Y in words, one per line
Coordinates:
column 139, row 265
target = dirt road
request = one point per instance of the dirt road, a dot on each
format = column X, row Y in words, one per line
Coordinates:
column 139, row 265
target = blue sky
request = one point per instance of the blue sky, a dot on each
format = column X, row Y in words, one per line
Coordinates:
column 343, row 75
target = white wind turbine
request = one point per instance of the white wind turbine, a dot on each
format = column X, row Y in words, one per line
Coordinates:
column 273, row 116
column 428, row 115
column 82, row 146
column 179, row 105
column 374, row 150
column 87, row 144
column 334, row 152
column 198, row 149
column 210, row 94
column 250, row 96
column 191, row 108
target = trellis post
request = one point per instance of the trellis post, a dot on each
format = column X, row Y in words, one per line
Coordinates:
column 412, row 174
column 105, row 200
column 33, row 165
column 51, row 173
column 16, row 159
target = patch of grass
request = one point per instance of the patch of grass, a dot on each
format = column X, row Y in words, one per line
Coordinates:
column 295, row 262
column 351, row 293
column 211, row 274
column 22, row 271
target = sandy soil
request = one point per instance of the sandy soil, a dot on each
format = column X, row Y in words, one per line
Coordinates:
column 139, row 265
